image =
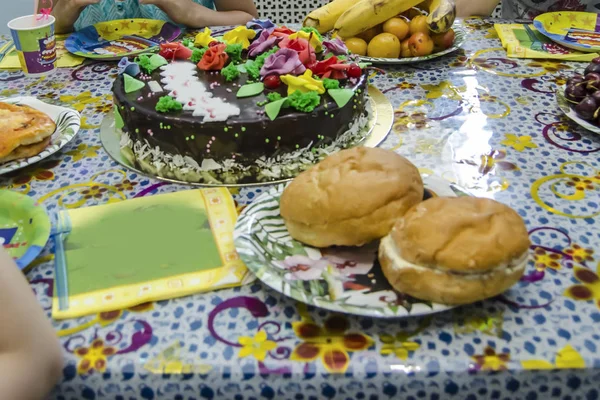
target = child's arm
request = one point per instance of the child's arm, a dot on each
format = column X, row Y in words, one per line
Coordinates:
column 31, row 359
column 193, row 15
column 66, row 13
column 469, row 8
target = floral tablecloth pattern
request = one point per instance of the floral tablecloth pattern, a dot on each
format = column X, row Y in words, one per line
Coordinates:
column 489, row 124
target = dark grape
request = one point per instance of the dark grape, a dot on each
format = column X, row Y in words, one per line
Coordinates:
column 596, row 96
column 592, row 76
column 575, row 79
column 586, row 108
column 596, row 60
column 592, row 68
column 593, row 86
column 575, row 93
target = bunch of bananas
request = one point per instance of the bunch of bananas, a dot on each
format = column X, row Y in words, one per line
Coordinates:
column 348, row 18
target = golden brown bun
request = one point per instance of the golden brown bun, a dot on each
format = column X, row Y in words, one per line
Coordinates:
column 22, row 126
column 27, row 151
column 351, row 198
column 455, row 250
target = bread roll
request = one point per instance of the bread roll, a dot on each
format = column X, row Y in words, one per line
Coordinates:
column 351, row 198
column 455, row 250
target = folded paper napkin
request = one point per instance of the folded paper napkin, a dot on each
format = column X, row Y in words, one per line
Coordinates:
column 524, row 41
column 152, row 248
column 64, row 59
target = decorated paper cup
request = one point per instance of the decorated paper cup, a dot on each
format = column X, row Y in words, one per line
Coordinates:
column 35, row 43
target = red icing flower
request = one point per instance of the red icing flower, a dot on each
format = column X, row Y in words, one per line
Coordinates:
column 305, row 51
column 282, row 32
column 330, row 68
column 175, row 51
column 214, row 59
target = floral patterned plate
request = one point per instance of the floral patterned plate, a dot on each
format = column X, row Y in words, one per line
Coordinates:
column 347, row 280
column 566, row 108
column 24, row 227
column 459, row 40
column 67, row 123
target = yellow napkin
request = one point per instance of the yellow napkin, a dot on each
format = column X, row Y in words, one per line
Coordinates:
column 524, row 41
column 123, row 254
column 64, row 59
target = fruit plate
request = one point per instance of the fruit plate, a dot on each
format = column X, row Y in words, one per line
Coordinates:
column 24, row 227
column 573, row 29
column 459, row 39
column 67, row 123
column 342, row 279
column 112, row 40
column 566, row 108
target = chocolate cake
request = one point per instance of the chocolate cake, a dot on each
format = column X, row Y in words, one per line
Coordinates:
column 224, row 130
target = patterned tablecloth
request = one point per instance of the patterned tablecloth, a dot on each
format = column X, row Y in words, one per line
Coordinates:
column 490, row 124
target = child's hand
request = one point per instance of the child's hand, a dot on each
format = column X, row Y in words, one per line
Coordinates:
column 177, row 10
column 66, row 13
column 186, row 12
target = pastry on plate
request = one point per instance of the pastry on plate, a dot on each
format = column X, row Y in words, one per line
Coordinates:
column 351, row 198
column 455, row 250
column 24, row 131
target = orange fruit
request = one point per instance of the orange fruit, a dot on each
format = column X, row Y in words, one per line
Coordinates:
column 384, row 45
column 357, row 46
column 396, row 26
column 419, row 24
column 443, row 40
column 370, row 33
column 404, row 50
column 420, row 45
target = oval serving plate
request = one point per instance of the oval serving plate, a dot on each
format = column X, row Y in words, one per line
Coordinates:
column 67, row 122
column 459, row 39
column 347, row 280
column 576, row 30
column 24, row 227
column 566, row 108
column 112, row 40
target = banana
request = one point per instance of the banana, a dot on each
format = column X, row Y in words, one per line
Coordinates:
column 323, row 18
column 366, row 14
column 441, row 15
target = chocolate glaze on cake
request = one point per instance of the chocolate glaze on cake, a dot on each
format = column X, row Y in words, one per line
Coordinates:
column 243, row 138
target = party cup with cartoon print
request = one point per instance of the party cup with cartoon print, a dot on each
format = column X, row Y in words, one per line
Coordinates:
column 35, row 42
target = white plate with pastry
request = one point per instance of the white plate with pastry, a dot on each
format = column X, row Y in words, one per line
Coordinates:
column 290, row 238
column 33, row 130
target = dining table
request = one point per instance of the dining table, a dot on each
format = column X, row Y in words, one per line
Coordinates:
column 485, row 122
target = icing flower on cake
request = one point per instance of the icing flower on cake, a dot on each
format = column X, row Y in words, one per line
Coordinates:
column 263, row 43
column 214, row 59
column 304, row 83
column 300, row 46
column 336, row 46
column 314, row 40
column 330, row 68
column 241, row 35
column 175, row 51
column 203, row 38
column 282, row 32
column 285, row 61
column 260, row 25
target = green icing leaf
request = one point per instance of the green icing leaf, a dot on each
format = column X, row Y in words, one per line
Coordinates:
column 272, row 109
column 273, row 96
column 197, row 55
column 130, row 84
column 252, row 89
column 241, row 68
column 188, row 42
column 364, row 64
column 341, row 96
column 230, row 72
column 167, row 103
column 310, row 29
column 118, row 119
column 150, row 62
column 331, row 83
column 253, row 71
column 234, row 51
column 305, row 102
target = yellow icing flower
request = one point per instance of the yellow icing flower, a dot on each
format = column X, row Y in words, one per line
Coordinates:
column 304, row 83
column 203, row 38
column 241, row 35
column 315, row 42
